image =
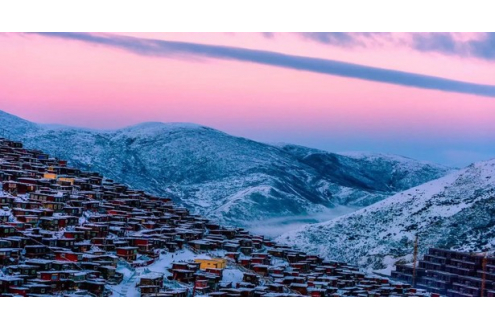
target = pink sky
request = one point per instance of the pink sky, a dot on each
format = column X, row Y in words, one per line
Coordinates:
column 50, row 80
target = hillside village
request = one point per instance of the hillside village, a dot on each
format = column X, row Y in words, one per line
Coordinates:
column 65, row 232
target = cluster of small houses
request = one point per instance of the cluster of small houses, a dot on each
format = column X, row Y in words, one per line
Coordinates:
column 451, row 273
column 64, row 232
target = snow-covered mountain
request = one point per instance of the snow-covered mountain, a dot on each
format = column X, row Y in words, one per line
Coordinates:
column 222, row 176
column 456, row 211
column 368, row 171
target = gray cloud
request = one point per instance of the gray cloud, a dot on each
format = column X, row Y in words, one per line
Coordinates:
column 162, row 48
column 345, row 39
column 445, row 43
column 484, row 48
column 268, row 35
column 438, row 42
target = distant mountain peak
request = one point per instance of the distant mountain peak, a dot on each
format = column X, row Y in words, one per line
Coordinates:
column 148, row 129
column 162, row 125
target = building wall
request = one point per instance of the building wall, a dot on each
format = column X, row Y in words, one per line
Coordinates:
column 211, row 263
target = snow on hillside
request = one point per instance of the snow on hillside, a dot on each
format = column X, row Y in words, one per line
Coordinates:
column 128, row 287
column 403, row 168
column 383, row 172
column 456, row 211
column 228, row 178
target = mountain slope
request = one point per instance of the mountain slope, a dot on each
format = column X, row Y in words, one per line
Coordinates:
column 219, row 175
column 368, row 171
column 456, row 211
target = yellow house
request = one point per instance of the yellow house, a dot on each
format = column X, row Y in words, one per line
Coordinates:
column 50, row 176
column 211, row 263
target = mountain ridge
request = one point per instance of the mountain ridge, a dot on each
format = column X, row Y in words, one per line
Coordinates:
column 222, row 176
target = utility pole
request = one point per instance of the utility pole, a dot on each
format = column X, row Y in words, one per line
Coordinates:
column 483, row 278
column 415, row 259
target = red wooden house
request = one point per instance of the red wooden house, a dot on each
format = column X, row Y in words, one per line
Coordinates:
column 18, row 188
column 183, row 275
column 95, row 287
column 245, row 262
column 19, row 290
column 128, row 253
column 78, row 236
column 63, row 255
column 143, row 244
column 260, row 269
column 151, row 280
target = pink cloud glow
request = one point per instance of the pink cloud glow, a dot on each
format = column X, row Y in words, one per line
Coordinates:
column 61, row 81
